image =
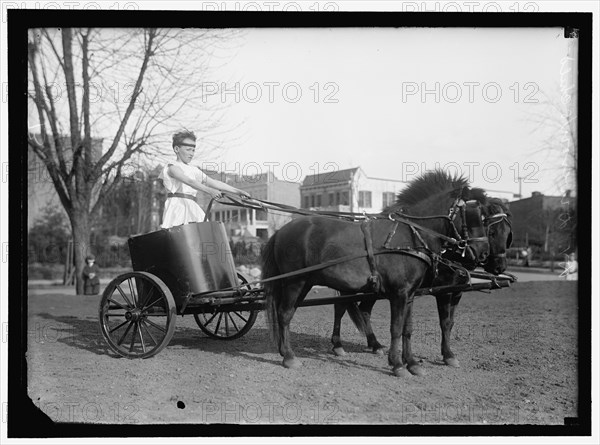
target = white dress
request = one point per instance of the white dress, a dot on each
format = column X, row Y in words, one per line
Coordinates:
column 181, row 210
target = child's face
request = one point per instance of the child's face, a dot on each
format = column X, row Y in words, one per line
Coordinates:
column 90, row 262
column 185, row 150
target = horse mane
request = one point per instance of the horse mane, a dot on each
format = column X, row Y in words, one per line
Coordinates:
column 429, row 184
column 496, row 205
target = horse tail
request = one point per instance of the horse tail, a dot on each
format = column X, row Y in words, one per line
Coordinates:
column 271, row 288
column 357, row 317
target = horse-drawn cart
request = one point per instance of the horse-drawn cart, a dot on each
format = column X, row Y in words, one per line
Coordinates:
column 189, row 269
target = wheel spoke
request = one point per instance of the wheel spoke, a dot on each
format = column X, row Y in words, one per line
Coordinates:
column 133, row 337
column 139, row 328
column 206, row 323
column 132, row 285
column 114, row 314
column 151, row 304
column 238, row 314
column 218, row 323
column 124, row 296
column 143, row 323
column 160, row 328
column 143, row 297
column 233, row 322
column 114, row 329
column 117, row 303
column 125, row 334
column 226, row 325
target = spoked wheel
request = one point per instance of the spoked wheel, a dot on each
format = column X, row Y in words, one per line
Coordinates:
column 227, row 325
column 137, row 315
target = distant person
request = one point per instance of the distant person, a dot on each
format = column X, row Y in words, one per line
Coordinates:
column 91, row 280
column 183, row 181
column 526, row 253
column 571, row 267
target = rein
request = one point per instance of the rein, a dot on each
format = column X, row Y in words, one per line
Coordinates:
column 458, row 241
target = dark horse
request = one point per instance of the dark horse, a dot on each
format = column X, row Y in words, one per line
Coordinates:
column 401, row 254
column 496, row 219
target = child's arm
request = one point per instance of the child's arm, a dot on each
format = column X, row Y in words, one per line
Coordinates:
column 178, row 174
column 226, row 188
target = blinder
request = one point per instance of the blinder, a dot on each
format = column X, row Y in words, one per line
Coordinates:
column 465, row 241
column 499, row 217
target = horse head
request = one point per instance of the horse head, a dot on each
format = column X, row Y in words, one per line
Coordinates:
column 498, row 226
column 449, row 198
column 467, row 216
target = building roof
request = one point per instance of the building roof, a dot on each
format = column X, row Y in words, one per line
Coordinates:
column 328, row 177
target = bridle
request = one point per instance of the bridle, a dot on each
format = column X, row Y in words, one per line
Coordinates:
column 497, row 218
column 460, row 206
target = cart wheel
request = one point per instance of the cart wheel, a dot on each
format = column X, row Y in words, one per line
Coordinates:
column 137, row 315
column 227, row 325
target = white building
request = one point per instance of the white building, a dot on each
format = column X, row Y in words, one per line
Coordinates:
column 249, row 223
column 349, row 190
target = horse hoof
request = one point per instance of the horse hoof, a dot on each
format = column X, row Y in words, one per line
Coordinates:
column 339, row 352
column 401, row 371
column 452, row 362
column 416, row 370
column 292, row 363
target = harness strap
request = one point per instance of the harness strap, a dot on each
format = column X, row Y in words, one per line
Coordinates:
column 453, row 241
column 375, row 279
column 181, row 195
column 414, row 253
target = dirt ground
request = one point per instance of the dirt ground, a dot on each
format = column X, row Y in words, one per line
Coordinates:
column 517, row 348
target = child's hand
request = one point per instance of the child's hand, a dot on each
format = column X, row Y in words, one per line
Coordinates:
column 243, row 194
column 215, row 194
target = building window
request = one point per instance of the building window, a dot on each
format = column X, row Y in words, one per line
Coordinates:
column 364, row 199
column 388, row 199
column 338, row 201
column 332, row 199
column 261, row 215
column 312, row 200
column 243, row 215
column 345, row 199
column 318, row 200
column 306, row 202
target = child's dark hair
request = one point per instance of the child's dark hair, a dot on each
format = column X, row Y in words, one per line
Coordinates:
column 181, row 135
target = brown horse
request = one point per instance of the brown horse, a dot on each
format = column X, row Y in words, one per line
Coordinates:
column 402, row 253
column 496, row 219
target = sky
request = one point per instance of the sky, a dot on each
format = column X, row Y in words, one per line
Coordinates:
column 396, row 102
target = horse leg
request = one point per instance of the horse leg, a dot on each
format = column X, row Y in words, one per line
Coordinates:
column 446, row 304
column 407, row 356
column 366, row 307
column 293, row 294
column 339, row 310
column 397, row 309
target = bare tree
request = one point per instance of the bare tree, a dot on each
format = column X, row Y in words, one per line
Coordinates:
column 130, row 87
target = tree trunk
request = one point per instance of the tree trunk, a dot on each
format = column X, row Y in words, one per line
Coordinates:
column 80, row 225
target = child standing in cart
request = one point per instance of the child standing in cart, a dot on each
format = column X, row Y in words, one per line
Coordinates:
column 183, row 181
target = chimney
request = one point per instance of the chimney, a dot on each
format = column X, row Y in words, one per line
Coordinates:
column 534, row 194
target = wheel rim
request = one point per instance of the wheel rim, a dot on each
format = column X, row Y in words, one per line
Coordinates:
column 137, row 315
column 227, row 325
